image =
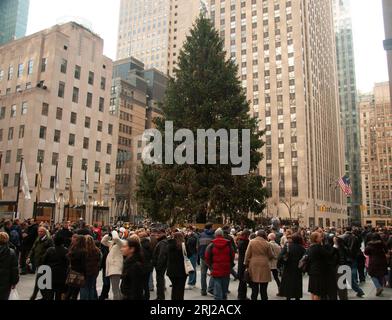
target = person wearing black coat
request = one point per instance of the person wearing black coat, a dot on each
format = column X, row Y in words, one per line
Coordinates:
column 159, row 261
column 29, row 235
column 9, row 272
column 331, row 268
column 242, row 245
column 132, row 277
column 317, row 261
column 291, row 285
column 389, row 247
column 66, row 234
column 148, row 268
column 105, row 280
column 56, row 259
column 175, row 266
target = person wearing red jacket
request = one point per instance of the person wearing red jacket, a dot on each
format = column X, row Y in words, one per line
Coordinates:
column 219, row 257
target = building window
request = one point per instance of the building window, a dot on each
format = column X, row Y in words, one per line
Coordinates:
column 71, row 139
column 99, row 126
column 57, row 136
column 10, row 134
column 30, row 66
column 103, row 83
column 77, row 72
column 16, row 179
column 2, row 112
column 20, row 70
column 19, row 153
column 107, row 169
column 61, row 89
column 109, row 148
column 98, row 146
column 55, row 158
column 86, row 142
column 63, row 66
column 45, row 109
column 5, row 180
column 97, row 166
column 73, row 117
column 110, row 129
column 10, row 72
column 21, row 131
column 91, row 78
column 1, row 135
column 101, row 104
column 89, row 100
column 70, row 161
column 44, row 63
column 40, row 156
column 75, row 95
column 13, row 111
column 84, row 164
column 87, row 122
column 42, row 132
column 8, row 156
column 59, row 113
column 24, row 108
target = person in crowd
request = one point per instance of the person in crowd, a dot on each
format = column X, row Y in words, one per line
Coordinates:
column 37, row 254
column 159, row 259
column 276, row 249
column 292, row 281
column 378, row 267
column 97, row 232
column 219, row 257
column 331, row 268
column 257, row 260
column 191, row 248
column 286, row 236
column 56, row 258
column 361, row 260
column 77, row 266
column 147, row 266
column 353, row 243
column 9, row 272
column 228, row 236
column 105, row 279
column 65, row 233
column 133, row 275
column 242, row 245
column 316, row 266
column 343, row 261
column 175, row 265
column 114, row 261
column 389, row 247
column 205, row 240
column 93, row 260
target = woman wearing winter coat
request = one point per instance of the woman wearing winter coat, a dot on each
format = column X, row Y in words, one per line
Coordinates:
column 317, row 261
column 114, row 261
column 132, row 274
column 175, row 265
column 257, row 260
column 291, row 286
column 9, row 273
column 93, row 261
column 148, row 268
column 376, row 250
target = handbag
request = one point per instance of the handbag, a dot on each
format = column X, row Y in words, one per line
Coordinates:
column 75, row 279
column 187, row 263
column 247, row 276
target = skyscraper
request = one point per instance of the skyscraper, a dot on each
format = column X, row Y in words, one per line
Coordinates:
column 13, row 19
column 387, row 9
column 349, row 116
column 287, row 63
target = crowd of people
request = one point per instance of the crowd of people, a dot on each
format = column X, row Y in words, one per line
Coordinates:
column 127, row 256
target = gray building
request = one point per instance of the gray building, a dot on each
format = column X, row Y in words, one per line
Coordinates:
column 348, row 102
column 13, row 19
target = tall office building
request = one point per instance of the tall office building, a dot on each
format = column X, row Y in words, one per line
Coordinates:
column 13, row 19
column 54, row 111
column 153, row 31
column 287, row 63
column 349, row 116
column 376, row 154
column 387, row 9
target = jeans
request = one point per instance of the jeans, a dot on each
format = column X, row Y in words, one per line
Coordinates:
column 115, row 283
column 259, row 288
column 378, row 282
column 89, row 291
column 161, row 285
column 203, row 278
column 192, row 275
column 221, row 288
column 354, row 278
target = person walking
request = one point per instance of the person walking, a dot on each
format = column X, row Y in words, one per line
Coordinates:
column 292, row 281
column 316, row 266
column 9, row 272
column 205, row 240
column 56, row 258
column 159, row 259
column 191, row 248
column 242, row 245
column 257, row 260
column 114, row 261
column 93, row 260
column 175, row 265
column 132, row 278
column 378, row 267
column 76, row 277
column 147, row 267
column 343, row 263
column 219, row 257
column 105, row 279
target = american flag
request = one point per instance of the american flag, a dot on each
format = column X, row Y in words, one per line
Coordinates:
column 345, row 185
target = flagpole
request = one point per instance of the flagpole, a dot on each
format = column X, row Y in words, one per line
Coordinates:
column 38, row 191
column 17, row 191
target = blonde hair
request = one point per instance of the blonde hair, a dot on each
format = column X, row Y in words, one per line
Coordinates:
column 135, row 237
column 4, row 238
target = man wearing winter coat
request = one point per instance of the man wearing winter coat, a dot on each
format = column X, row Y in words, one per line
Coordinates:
column 9, row 273
column 159, row 260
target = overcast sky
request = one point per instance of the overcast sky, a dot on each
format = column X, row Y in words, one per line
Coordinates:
column 371, row 65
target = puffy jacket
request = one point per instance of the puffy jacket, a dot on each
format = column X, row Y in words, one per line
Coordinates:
column 219, row 256
column 114, row 260
column 9, row 273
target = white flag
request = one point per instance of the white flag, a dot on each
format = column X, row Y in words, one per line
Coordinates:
column 124, row 209
column 25, row 183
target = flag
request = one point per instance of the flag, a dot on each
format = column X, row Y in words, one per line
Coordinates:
column 1, row 177
column 25, row 184
column 85, row 189
column 345, row 185
column 71, row 200
column 39, row 184
column 124, row 212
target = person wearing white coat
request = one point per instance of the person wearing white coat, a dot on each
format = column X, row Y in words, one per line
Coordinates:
column 114, row 262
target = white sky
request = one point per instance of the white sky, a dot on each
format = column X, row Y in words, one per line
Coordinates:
column 371, row 65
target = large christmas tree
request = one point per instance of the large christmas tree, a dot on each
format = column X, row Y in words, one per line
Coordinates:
column 205, row 94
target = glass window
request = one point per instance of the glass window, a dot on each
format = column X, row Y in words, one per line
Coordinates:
column 24, row 107
column 91, row 78
column 57, row 136
column 71, row 139
column 89, row 100
column 63, row 66
column 77, row 72
column 75, row 95
column 61, row 89
column 45, row 109
column 30, row 67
